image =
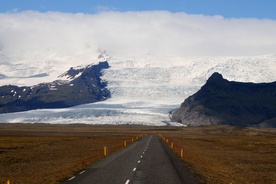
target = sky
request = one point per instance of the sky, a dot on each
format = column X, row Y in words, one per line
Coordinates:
column 136, row 28
column 260, row 9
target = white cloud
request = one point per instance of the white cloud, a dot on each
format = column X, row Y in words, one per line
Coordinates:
column 137, row 33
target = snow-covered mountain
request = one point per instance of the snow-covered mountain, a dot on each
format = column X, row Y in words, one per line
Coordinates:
column 143, row 90
column 156, row 59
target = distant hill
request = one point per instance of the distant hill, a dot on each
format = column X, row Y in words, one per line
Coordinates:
column 82, row 85
column 220, row 101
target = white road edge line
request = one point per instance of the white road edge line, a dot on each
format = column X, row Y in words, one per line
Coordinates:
column 127, row 181
column 82, row 172
column 71, row 178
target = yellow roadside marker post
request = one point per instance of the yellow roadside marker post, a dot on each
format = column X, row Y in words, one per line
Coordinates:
column 181, row 153
column 104, row 152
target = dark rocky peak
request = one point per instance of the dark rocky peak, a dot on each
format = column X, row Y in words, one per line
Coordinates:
column 102, row 65
column 216, row 78
column 216, row 81
column 72, row 72
column 221, row 101
column 81, row 70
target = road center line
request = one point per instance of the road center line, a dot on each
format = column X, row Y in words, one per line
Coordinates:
column 138, row 161
column 134, row 169
column 127, row 181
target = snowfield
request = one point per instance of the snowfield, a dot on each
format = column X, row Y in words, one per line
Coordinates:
column 143, row 90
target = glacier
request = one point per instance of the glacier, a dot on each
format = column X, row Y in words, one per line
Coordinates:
column 143, row 90
column 156, row 58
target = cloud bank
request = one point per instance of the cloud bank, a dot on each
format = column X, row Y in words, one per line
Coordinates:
column 135, row 34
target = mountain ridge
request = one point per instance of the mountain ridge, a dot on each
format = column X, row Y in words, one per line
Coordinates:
column 87, row 87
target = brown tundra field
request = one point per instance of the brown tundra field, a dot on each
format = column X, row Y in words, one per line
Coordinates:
column 45, row 153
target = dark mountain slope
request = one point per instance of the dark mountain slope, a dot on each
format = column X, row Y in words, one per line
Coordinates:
column 235, row 103
column 86, row 88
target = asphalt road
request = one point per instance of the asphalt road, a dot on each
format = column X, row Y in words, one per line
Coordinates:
column 147, row 161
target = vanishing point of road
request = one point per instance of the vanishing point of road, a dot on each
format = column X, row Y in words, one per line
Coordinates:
column 147, row 161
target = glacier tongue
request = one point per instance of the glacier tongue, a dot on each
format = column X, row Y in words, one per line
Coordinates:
column 145, row 90
column 98, row 113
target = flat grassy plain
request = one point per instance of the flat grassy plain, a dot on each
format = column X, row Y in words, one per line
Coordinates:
column 225, row 154
column 44, row 153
